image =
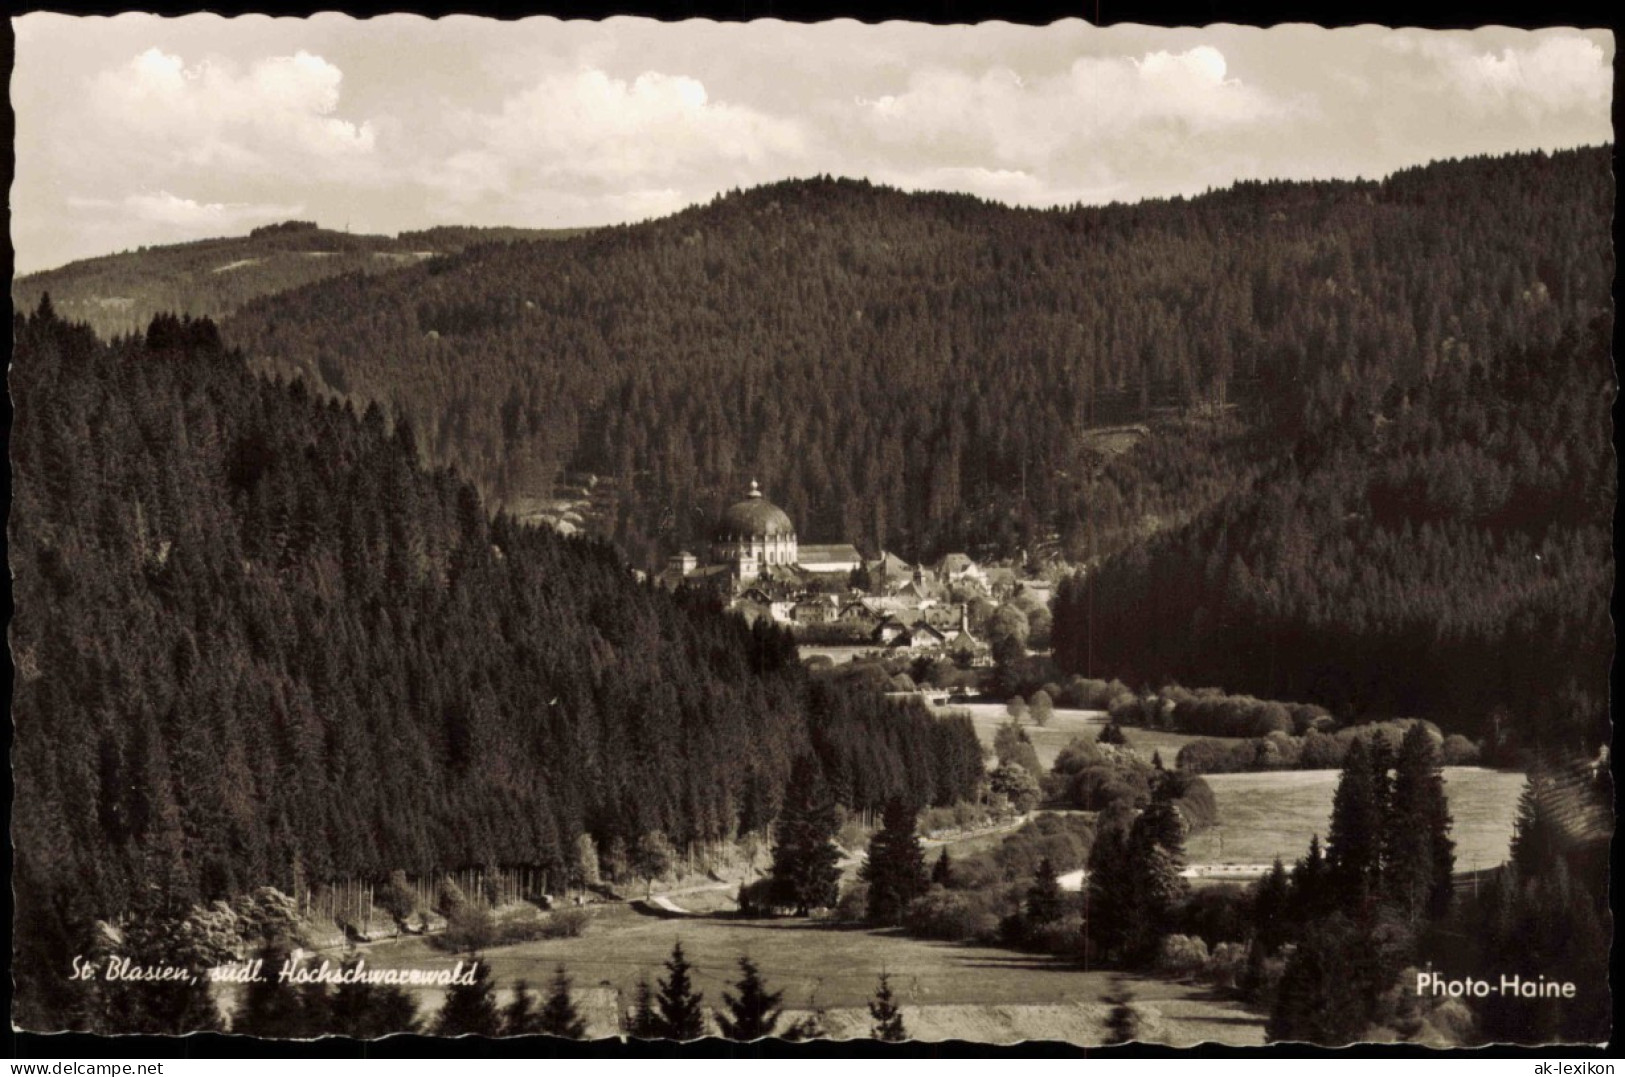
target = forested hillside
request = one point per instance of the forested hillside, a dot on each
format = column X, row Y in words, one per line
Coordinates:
column 1446, row 554
column 121, row 293
column 919, row 371
column 256, row 645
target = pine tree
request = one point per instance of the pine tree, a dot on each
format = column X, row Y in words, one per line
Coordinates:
column 1319, row 999
column 895, row 870
column 1254, row 983
column 754, row 1012
column 369, row 1011
column 644, row 1023
column 559, row 1016
column 470, row 1009
column 1271, row 910
column 1419, row 854
column 586, row 860
column 269, row 1010
column 652, row 858
column 1354, row 840
column 1123, row 1020
column 1111, row 903
column 519, row 1017
column 805, row 873
column 1310, row 885
column 811, row 1027
column 158, row 933
column 942, row 872
column 1534, row 839
column 678, row 1004
column 1549, row 906
column 886, row 1014
column 1045, row 903
column 1154, row 883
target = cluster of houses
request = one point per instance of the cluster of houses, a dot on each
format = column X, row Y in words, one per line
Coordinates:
column 833, row 594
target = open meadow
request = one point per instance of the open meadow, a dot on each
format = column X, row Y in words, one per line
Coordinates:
column 1159, row 742
column 948, row 990
column 1274, row 813
column 1065, row 726
column 1267, row 814
column 1048, row 740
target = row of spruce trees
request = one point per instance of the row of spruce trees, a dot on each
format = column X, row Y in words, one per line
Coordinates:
column 1337, row 939
column 673, row 1009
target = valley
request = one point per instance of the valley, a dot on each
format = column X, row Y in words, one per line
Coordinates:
column 430, row 587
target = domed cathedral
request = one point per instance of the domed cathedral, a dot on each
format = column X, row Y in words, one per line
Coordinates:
column 755, row 540
column 755, row 535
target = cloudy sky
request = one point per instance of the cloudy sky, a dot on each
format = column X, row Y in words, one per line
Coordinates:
column 139, row 130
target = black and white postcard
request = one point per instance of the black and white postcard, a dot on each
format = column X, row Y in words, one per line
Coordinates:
column 635, row 530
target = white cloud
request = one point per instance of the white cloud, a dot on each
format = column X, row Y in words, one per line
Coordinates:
column 1544, row 74
column 278, row 115
column 1554, row 75
column 1016, row 123
column 164, row 208
column 603, row 130
column 1100, row 128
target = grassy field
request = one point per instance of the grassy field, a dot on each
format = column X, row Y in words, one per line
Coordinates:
column 1274, row 813
column 1160, row 741
column 947, row 990
column 1066, row 725
column 1047, row 740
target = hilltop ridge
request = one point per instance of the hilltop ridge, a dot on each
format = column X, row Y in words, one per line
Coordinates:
column 914, row 371
column 123, row 292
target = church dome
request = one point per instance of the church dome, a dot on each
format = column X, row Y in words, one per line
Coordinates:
column 754, row 517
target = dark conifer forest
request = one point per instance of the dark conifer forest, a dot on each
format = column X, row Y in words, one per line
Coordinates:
column 930, row 372
column 257, row 644
column 279, row 623
column 1445, row 554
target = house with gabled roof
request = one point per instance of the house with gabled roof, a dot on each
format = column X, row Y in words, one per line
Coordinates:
column 918, row 637
column 887, row 572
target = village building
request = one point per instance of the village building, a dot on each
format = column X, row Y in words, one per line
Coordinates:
column 754, row 532
column 757, row 562
column 754, row 545
column 829, row 560
column 817, row 610
column 859, row 615
column 918, row 593
column 887, row 573
column 920, row 636
column 889, row 631
column 958, row 568
column 1001, row 582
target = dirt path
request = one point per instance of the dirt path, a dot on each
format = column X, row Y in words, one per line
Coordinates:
column 977, row 835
